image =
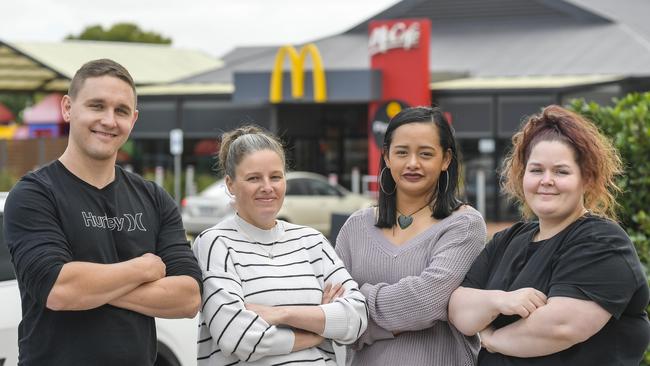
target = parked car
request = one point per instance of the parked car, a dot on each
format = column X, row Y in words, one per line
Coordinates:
column 310, row 200
column 3, row 197
column 176, row 337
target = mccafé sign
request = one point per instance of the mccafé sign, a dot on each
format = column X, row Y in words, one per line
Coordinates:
column 297, row 59
column 398, row 35
column 399, row 49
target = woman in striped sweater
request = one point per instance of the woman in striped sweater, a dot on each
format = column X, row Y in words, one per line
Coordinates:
column 274, row 293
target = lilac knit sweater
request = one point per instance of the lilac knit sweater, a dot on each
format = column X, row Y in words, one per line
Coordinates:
column 407, row 288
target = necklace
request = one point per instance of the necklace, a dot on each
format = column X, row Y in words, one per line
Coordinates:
column 405, row 221
column 279, row 228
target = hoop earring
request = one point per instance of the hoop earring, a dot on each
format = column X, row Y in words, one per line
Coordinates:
column 446, row 181
column 381, row 186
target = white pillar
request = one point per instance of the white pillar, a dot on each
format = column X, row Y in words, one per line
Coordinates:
column 190, row 185
column 356, row 180
column 160, row 176
column 480, row 191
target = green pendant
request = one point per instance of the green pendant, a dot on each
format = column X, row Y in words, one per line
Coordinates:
column 404, row 221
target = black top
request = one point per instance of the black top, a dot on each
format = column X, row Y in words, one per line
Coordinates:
column 592, row 259
column 52, row 217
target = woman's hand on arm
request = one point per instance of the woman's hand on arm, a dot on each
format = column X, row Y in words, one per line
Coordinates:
column 520, row 302
column 309, row 318
column 332, row 292
column 471, row 310
column 308, row 321
column 304, row 340
column 486, row 336
column 560, row 324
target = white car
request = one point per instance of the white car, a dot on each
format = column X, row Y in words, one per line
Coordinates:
column 310, row 200
column 176, row 337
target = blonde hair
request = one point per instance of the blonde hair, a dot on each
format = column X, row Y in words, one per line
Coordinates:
column 238, row 143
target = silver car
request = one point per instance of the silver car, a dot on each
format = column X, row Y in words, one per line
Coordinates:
column 310, row 200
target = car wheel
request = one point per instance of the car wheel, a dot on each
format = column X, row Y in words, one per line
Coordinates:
column 165, row 357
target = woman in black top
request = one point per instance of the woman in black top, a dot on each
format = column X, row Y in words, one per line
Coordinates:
column 567, row 289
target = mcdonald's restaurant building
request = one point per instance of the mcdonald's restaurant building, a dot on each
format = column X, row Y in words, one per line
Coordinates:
column 330, row 100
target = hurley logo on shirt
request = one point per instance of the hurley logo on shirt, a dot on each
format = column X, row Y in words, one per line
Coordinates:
column 114, row 223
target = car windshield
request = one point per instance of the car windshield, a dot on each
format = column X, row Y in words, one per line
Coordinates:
column 215, row 189
column 3, row 197
column 297, row 185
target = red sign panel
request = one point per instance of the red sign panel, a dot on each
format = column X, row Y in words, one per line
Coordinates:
column 400, row 49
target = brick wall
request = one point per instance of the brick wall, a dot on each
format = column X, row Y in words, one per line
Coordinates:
column 20, row 156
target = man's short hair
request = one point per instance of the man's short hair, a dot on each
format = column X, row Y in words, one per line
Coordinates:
column 97, row 68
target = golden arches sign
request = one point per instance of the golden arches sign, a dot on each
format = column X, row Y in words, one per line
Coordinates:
column 297, row 59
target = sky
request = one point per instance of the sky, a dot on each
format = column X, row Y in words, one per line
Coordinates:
column 214, row 26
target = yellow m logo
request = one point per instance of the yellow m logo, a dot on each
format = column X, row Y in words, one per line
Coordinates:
column 298, row 73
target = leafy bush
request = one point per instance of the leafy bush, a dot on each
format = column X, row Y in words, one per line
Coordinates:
column 201, row 181
column 628, row 125
column 7, row 181
column 204, row 180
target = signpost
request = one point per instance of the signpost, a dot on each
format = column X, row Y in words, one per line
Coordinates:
column 176, row 149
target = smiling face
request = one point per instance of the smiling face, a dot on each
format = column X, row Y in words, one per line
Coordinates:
column 553, row 185
column 259, row 186
column 416, row 159
column 101, row 117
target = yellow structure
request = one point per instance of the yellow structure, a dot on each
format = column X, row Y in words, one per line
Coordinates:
column 7, row 132
column 297, row 59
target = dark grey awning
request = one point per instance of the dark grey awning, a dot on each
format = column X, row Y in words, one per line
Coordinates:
column 346, row 86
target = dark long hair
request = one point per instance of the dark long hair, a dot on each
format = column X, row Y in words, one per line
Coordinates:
column 444, row 199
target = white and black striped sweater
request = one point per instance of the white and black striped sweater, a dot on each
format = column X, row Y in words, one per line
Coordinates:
column 237, row 268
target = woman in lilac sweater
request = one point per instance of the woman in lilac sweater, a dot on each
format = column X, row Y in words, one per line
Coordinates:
column 412, row 251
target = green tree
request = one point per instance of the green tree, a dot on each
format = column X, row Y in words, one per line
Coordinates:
column 628, row 125
column 16, row 103
column 120, row 32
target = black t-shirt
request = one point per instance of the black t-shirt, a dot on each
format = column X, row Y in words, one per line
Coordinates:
column 52, row 217
column 592, row 259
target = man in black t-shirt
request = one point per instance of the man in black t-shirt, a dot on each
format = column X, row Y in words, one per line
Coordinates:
column 98, row 252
